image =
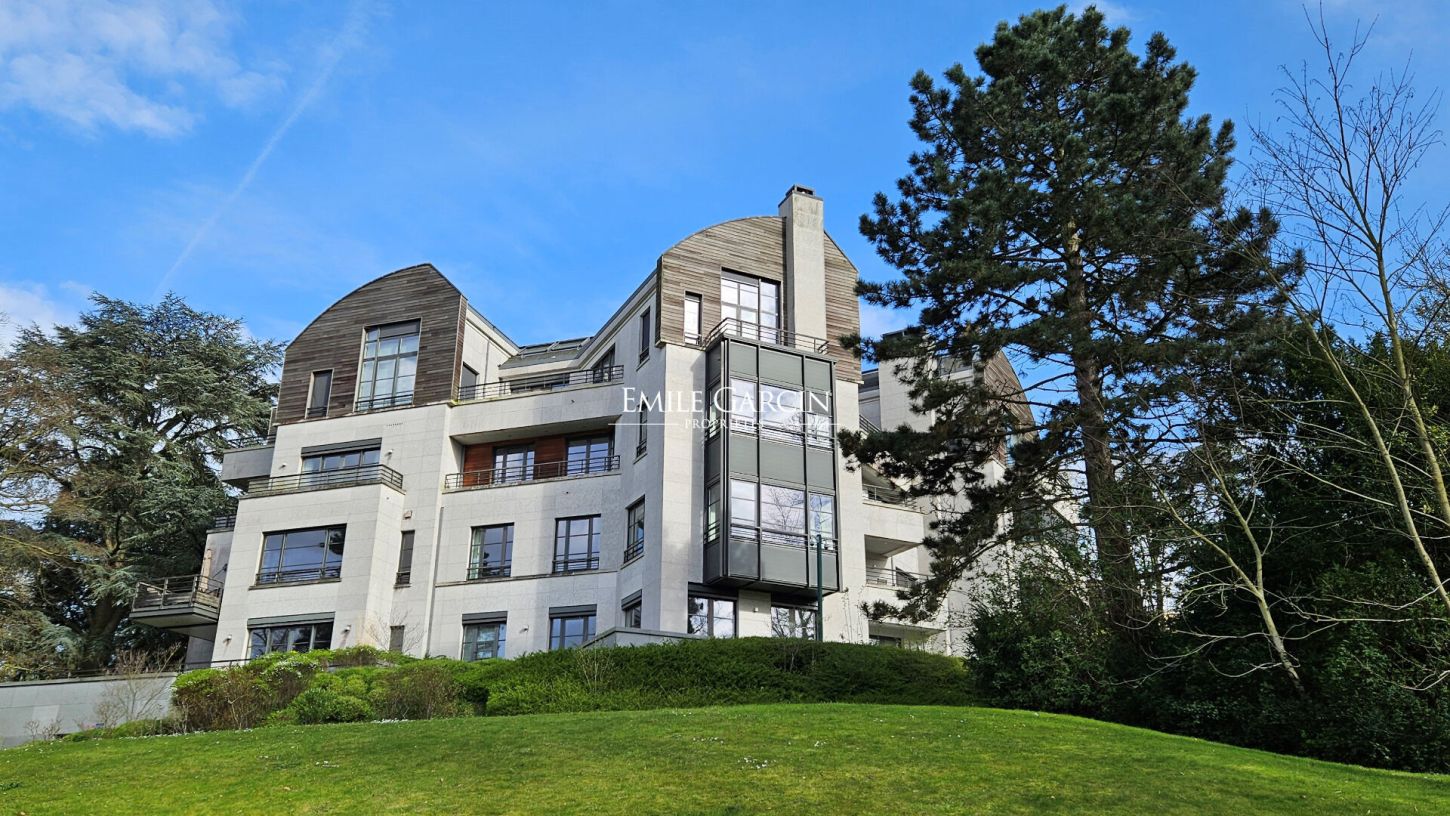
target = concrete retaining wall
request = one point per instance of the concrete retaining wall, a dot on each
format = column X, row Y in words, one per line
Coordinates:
column 39, row 708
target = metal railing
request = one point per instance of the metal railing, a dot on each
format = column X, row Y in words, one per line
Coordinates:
column 500, row 569
column 325, row 480
column 222, row 523
column 403, row 578
column 539, row 471
column 633, row 550
column 568, row 565
column 382, row 403
column 541, row 383
column 178, row 590
column 324, row 572
column 752, row 535
column 888, row 495
column 867, row 425
column 732, row 327
column 892, row 577
column 251, row 442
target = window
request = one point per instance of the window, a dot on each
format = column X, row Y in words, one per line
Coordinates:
column 631, row 616
column 467, row 383
column 569, row 631
column 818, row 419
column 792, row 622
column 744, row 512
column 886, row 640
column 342, row 460
column 389, row 364
column 319, row 393
column 743, row 395
column 634, row 532
column 405, row 559
column 395, row 638
column 301, row 555
column 513, row 463
column 782, row 514
column 576, row 544
column 492, row 552
column 642, row 422
column 295, row 638
column 644, row 336
column 780, row 408
column 712, row 512
column 692, row 318
column 712, row 617
column 751, row 305
column 821, row 526
column 589, row 455
column 482, row 641
column 603, row 368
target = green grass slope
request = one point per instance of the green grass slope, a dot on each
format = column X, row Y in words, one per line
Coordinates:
column 788, row 759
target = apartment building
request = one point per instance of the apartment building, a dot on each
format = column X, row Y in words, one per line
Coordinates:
column 431, row 486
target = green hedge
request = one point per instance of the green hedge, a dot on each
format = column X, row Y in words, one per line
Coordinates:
column 366, row 684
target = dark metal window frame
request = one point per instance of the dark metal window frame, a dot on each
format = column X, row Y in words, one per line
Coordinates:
column 564, row 563
column 558, row 625
column 323, row 572
column 477, row 570
column 394, row 398
column 314, row 628
column 800, row 621
column 634, row 530
column 711, row 619
column 405, row 558
column 470, row 638
column 646, row 334
column 314, row 409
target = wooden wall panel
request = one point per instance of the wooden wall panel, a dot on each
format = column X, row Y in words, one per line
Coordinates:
column 334, row 340
column 843, row 310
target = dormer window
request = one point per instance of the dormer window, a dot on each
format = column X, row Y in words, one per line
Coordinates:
column 389, row 366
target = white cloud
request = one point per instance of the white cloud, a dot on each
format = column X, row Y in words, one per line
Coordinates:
column 24, row 304
column 129, row 66
column 878, row 320
column 1114, row 14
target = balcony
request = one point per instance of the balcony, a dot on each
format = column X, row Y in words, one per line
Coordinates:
column 541, row 383
column 326, row 480
column 538, row 472
column 222, row 524
column 564, row 566
column 300, row 575
column 892, row 577
column 390, row 401
column 186, row 604
column 731, row 327
column 887, row 495
column 499, row 569
column 769, row 560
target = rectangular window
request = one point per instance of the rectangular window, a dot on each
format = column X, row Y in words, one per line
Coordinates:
column 712, row 617
column 821, row 526
column 576, row 544
column 569, row 631
column 634, row 531
column 405, row 559
column 692, row 318
column 792, row 622
column 886, row 640
column 395, row 638
column 632, row 615
column 319, row 393
column 644, row 336
column 752, row 307
column 589, row 455
column 344, row 460
column 467, row 383
column 389, row 365
column 301, row 555
column 712, row 512
column 492, row 552
column 513, row 463
column 782, row 515
column 744, row 508
column 295, row 638
column 642, row 422
column 743, row 400
column 482, row 641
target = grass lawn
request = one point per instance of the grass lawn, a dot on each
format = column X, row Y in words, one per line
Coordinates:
column 789, row 759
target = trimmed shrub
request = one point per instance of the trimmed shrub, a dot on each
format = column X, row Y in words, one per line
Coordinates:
column 322, row 705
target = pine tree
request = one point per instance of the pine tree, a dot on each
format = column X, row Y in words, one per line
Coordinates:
column 1066, row 212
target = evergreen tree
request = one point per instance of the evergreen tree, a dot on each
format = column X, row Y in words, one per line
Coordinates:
column 1066, row 212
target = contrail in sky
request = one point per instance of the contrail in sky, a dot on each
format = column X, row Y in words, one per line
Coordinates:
column 330, row 55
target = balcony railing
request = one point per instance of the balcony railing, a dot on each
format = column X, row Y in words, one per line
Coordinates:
column 892, row 577
column 732, row 327
column 888, row 495
column 867, row 425
column 501, row 569
column 582, row 564
column 251, row 442
column 222, row 523
column 633, row 550
column 325, row 480
column 322, row 572
column 540, row 383
column 177, row 591
column 519, row 474
column 383, row 403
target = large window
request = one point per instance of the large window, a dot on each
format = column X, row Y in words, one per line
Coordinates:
column 319, row 393
column 301, row 555
column 712, row 617
column 589, row 455
column 792, row 622
column 569, row 631
column 482, row 641
column 492, row 552
column 295, row 638
column 576, row 544
column 634, row 531
column 782, row 515
column 389, row 365
column 513, row 463
column 343, row 460
column 752, row 304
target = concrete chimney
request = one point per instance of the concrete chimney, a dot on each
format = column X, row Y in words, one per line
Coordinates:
column 805, row 262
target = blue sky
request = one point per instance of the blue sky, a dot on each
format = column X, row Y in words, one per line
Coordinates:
column 262, row 159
